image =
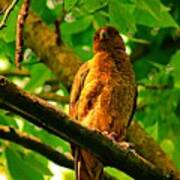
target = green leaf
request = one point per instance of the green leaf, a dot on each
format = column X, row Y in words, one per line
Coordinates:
column 46, row 137
column 152, row 7
column 38, row 163
column 8, row 33
column 18, row 168
column 118, row 174
column 154, row 14
column 145, row 65
column 83, row 53
column 168, row 146
column 6, row 120
column 7, row 50
column 153, row 130
column 39, row 74
column 93, row 5
column 76, row 26
column 43, row 11
column 100, row 19
column 69, row 4
column 121, row 16
column 38, row 6
column 175, row 63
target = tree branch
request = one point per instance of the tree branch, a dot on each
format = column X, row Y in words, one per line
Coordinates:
column 19, row 32
column 155, row 86
column 17, row 72
column 35, row 144
column 57, row 24
column 106, row 150
column 54, row 97
column 45, row 46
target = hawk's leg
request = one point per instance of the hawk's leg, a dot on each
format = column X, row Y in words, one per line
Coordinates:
column 115, row 137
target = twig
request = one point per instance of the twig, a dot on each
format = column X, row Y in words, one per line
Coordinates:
column 7, row 13
column 19, row 32
column 57, row 23
column 57, row 122
column 54, row 97
column 154, row 86
column 17, row 72
column 58, row 32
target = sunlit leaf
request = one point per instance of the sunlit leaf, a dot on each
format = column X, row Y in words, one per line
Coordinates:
column 175, row 63
column 76, row 26
column 93, row 5
column 39, row 74
column 7, row 120
column 121, row 16
column 154, row 14
column 8, row 33
column 69, row 4
column 18, row 168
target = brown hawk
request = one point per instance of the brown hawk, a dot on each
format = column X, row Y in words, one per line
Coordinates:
column 103, row 97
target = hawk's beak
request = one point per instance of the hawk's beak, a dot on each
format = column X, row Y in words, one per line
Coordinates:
column 103, row 35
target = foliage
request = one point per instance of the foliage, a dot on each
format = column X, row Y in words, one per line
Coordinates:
column 149, row 26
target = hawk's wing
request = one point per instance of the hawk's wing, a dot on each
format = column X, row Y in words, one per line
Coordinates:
column 134, row 107
column 77, row 87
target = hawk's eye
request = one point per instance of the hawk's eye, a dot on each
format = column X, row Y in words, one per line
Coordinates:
column 104, row 34
column 96, row 37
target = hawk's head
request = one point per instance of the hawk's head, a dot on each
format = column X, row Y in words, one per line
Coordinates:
column 107, row 39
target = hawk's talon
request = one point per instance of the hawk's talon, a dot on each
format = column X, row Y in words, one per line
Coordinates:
column 111, row 135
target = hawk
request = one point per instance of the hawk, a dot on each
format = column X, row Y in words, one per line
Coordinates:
column 103, row 97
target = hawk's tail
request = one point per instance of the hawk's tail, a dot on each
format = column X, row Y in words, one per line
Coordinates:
column 87, row 167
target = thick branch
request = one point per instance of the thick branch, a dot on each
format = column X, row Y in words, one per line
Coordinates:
column 151, row 150
column 106, row 150
column 60, row 59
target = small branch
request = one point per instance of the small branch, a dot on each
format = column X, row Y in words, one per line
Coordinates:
column 58, row 32
column 17, row 72
column 19, row 32
column 54, row 97
column 7, row 13
column 154, row 86
column 48, row 117
column 57, row 23
column 35, row 144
